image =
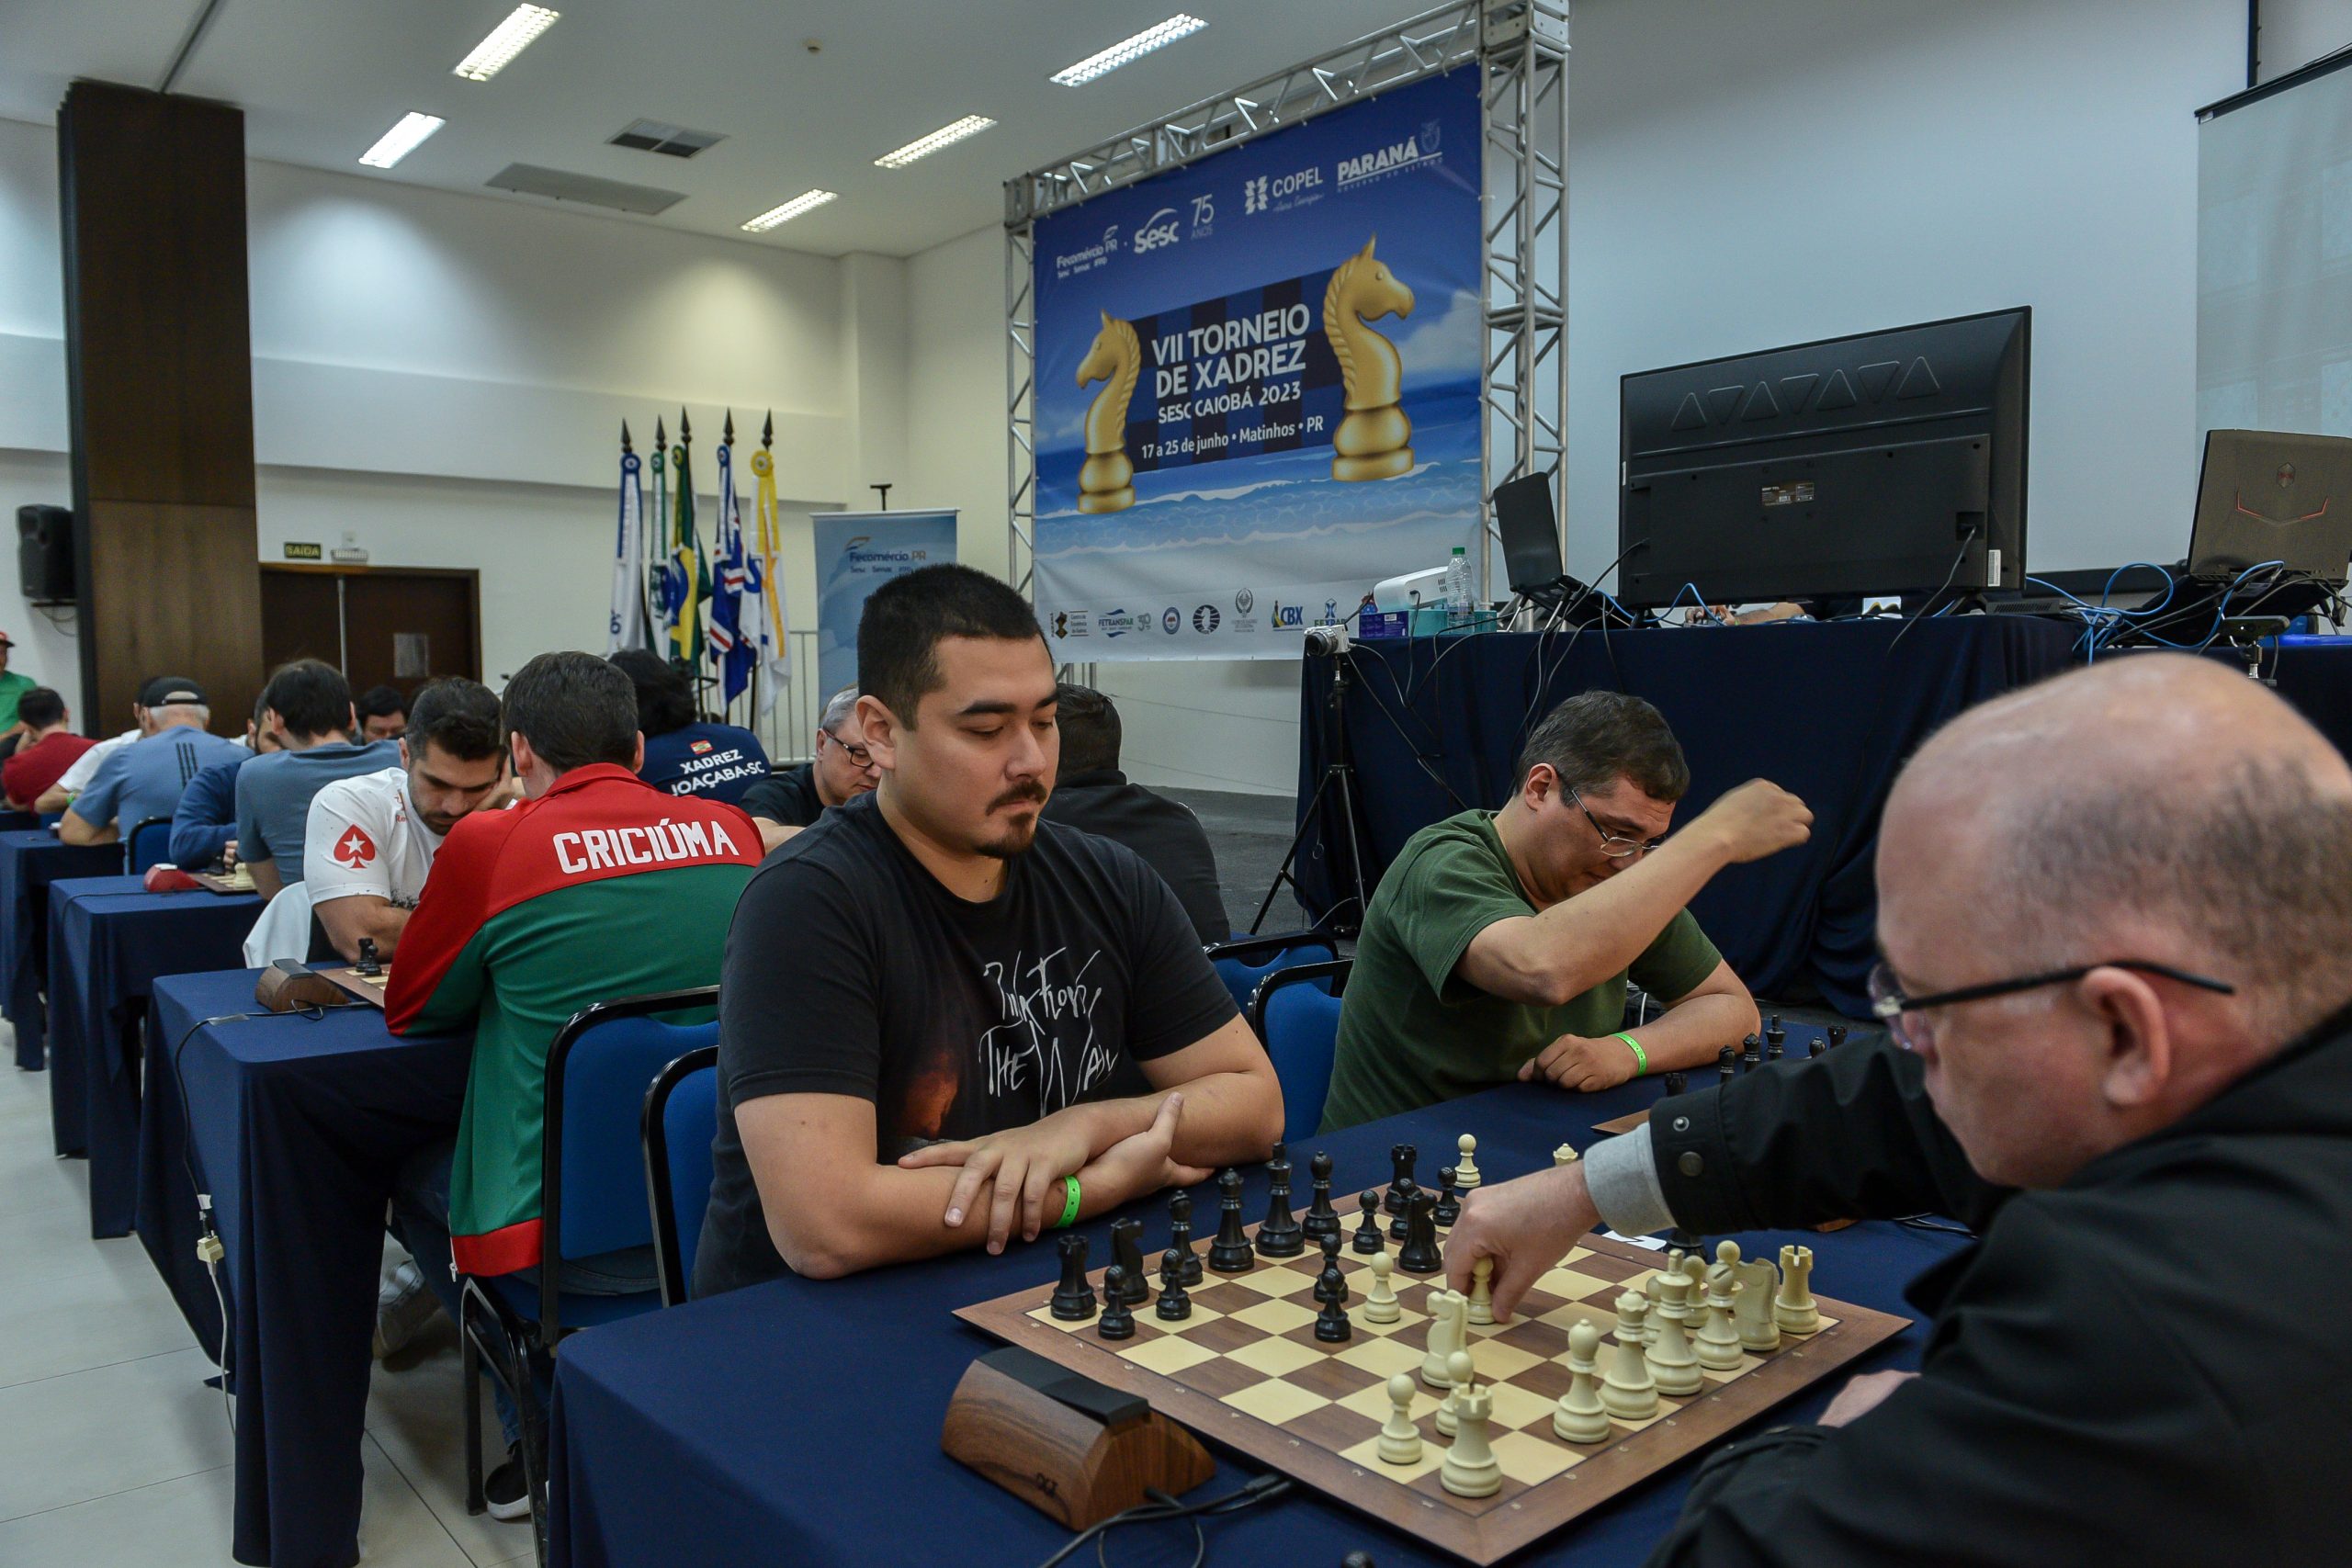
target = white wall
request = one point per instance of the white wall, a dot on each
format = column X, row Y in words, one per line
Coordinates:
column 2296, row 32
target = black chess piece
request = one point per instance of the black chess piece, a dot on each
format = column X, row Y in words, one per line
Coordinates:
column 1281, row 1236
column 1331, row 1325
column 1073, row 1298
column 1331, row 1285
column 1368, row 1237
column 1449, row 1197
column 1321, row 1219
column 1420, row 1255
column 1776, row 1038
column 1118, row 1319
column 1400, row 1159
column 1396, row 1226
column 1180, row 1234
column 1126, row 1251
column 1751, row 1053
column 1677, row 1083
column 1813, row 1047
column 1175, row 1306
column 368, row 962
column 1727, row 1064
column 1836, row 1035
column 1230, row 1253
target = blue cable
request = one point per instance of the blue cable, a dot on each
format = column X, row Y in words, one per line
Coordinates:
column 1702, row 605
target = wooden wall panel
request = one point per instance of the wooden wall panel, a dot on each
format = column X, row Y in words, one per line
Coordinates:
column 159, row 379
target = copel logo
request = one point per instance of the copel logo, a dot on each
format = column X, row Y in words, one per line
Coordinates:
column 1158, row 230
column 1260, row 193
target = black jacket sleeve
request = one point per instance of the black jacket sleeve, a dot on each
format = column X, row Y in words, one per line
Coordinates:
column 1850, row 1135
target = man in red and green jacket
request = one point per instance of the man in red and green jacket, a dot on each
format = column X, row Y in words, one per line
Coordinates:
column 598, row 887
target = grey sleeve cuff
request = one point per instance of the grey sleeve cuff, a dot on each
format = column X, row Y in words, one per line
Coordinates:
column 1620, row 1174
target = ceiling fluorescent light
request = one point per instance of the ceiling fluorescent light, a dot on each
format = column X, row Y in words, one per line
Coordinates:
column 1126, row 50
column 808, row 200
column 506, row 40
column 401, row 140
column 924, row 146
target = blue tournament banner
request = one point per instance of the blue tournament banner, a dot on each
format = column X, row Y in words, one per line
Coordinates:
column 856, row 553
column 1258, row 383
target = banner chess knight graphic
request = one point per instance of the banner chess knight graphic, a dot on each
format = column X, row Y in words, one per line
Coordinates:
column 1258, row 379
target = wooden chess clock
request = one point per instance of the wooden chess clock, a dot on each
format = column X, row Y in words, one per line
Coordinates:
column 1063, row 1443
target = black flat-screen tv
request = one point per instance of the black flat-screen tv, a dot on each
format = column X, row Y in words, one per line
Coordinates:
column 1885, row 463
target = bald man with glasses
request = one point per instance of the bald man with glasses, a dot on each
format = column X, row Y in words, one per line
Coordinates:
column 787, row 801
column 1500, row 944
column 2118, row 984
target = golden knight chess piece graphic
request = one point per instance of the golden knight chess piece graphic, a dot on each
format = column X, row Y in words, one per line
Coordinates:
column 1374, row 440
column 1107, row 482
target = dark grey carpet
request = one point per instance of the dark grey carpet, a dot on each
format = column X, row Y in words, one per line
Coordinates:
column 1249, row 833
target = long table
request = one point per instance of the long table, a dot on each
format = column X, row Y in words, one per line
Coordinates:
column 108, row 940
column 30, row 859
column 296, row 1124
column 799, row 1420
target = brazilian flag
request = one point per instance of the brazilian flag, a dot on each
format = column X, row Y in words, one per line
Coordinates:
column 689, row 570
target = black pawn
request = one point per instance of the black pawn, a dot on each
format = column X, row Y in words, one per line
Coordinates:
column 1321, row 1219
column 1281, row 1236
column 1836, row 1035
column 1401, row 1181
column 1727, row 1064
column 1677, row 1083
column 1331, row 1285
column 1397, row 1225
column 1073, row 1298
column 368, row 962
column 1751, row 1053
column 1180, row 1234
column 1118, row 1319
column 1776, row 1038
column 1813, row 1047
column 1449, row 1198
column 1230, row 1253
column 1331, row 1325
column 1368, row 1237
column 1420, row 1255
column 1174, row 1304
column 1126, row 1252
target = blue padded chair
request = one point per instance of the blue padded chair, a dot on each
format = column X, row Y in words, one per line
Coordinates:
column 1295, row 1010
column 1244, row 960
column 593, row 1202
column 680, row 1119
column 150, row 844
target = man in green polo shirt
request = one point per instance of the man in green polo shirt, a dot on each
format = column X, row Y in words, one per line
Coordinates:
column 1499, row 943
column 12, row 686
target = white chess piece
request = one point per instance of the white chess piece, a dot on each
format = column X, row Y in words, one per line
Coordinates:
column 1482, row 1291
column 1563, row 1154
column 1579, row 1416
column 1381, row 1306
column 1466, row 1168
column 1446, row 1337
column 1793, row 1310
column 1471, row 1469
column 1719, row 1347
column 1401, row 1441
column 1674, row 1366
column 1628, row 1392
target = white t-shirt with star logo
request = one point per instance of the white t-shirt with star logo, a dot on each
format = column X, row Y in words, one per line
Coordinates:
column 364, row 836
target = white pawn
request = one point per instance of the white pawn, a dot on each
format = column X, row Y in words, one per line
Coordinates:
column 1401, row 1441
column 1471, row 1469
column 1794, row 1311
column 1719, row 1347
column 1580, row 1417
column 1466, row 1168
column 1726, row 1264
column 1565, row 1154
column 1628, row 1392
column 1446, row 1337
column 1482, row 1291
column 1674, row 1366
column 1381, row 1306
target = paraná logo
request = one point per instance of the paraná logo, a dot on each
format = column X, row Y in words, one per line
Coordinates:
column 355, row 848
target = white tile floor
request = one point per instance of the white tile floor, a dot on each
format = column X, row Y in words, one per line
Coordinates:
column 112, row 1450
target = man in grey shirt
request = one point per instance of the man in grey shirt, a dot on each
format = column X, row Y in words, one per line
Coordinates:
column 307, row 706
column 143, row 781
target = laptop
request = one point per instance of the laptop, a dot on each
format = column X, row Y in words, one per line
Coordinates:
column 2264, row 496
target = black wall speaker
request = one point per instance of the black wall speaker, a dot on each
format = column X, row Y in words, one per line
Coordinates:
column 45, row 553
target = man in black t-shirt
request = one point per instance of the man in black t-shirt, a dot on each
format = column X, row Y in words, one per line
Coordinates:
column 943, row 1023
column 1091, row 793
column 793, row 798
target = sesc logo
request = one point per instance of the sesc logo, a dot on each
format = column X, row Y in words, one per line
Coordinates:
column 1171, row 620
column 1158, row 230
column 1204, row 619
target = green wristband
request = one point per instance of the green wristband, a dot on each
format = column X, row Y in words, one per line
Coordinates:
column 1070, row 1205
column 1640, row 1057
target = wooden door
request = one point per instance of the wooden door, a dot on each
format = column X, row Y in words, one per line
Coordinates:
column 301, row 617
column 380, row 626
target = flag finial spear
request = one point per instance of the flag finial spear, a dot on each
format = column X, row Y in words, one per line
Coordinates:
column 768, row 431
column 660, row 439
column 625, row 446
column 728, row 435
column 685, row 431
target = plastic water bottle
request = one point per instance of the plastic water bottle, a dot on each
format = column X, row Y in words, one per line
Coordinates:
column 1457, row 589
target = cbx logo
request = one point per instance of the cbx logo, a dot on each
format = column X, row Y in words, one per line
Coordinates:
column 1158, row 230
column 1289, row 614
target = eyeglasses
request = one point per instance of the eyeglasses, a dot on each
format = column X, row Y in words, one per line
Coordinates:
column 858, row 754
column 1890, row 1005
column 1615, row 846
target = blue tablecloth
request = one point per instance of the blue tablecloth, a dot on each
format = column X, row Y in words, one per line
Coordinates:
column 30, row 859
column 798, row 1421
column 1827, row 710
column 108, row 940
column 297, row 1125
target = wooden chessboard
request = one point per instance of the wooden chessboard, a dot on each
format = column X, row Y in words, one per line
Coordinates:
column 368, row 988
column 1246, row 1370
column 238, row 880
column 1625, row 1123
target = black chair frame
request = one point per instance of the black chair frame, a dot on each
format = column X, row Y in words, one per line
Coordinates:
column 131, row 838
column 1336, row 971
column 489, row 1333
column 1252, row 949
column 669, row 1251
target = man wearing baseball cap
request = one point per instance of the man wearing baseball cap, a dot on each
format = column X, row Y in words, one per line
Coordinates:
column 143, row 780
column 12, row 686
